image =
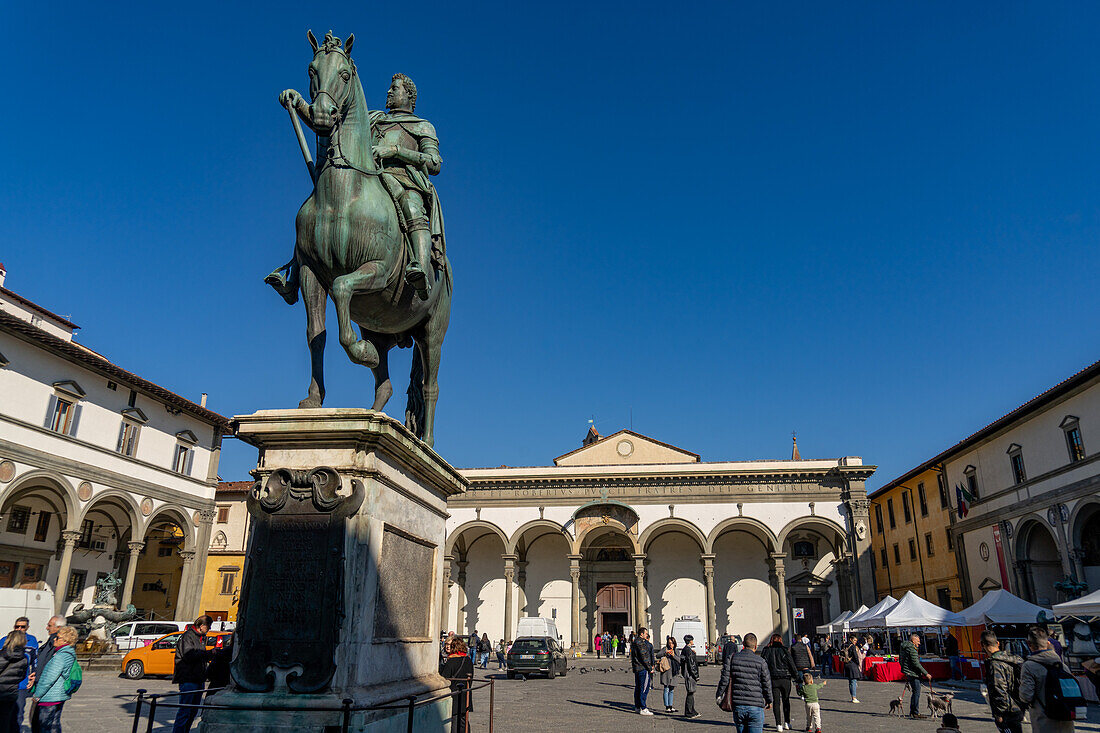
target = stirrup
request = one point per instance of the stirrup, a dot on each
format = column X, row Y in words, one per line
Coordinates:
column 416, row 277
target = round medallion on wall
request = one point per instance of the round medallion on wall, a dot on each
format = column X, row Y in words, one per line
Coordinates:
column 7, row 471
column 983, row 550
column 624, row 448
column 84, row 491
column 147, row 506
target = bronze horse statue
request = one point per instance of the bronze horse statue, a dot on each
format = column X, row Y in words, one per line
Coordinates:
column 350, row 247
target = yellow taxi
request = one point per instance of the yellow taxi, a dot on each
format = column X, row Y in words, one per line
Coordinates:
column 160, row 656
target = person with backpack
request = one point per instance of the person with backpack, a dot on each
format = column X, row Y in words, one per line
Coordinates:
column 1002, row 681
column 56, row 684
column 1047, row 689
column 803, row 660
column 668, row 666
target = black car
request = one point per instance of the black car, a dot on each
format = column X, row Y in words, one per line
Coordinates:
column 530, row 654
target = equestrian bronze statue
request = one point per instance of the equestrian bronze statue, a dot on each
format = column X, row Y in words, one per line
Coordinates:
column 370, row 235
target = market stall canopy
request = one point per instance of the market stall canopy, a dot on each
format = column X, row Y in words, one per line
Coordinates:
column 910, row 611
column 1085, row 606
column 837, row 624
column 1001, row 607
column 884, row 605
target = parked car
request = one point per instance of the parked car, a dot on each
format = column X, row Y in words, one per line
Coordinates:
column 722, row 641
column 531, row 654
column 160, row 657
column 136, row 634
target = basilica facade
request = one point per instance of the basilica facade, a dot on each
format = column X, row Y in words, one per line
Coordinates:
column 627, row 531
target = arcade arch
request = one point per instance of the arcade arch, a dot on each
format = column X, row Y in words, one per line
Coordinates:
column 1086, row 540
column 1039, row 561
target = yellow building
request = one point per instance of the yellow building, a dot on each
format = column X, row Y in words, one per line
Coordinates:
column 911, row 538
column 221, row 587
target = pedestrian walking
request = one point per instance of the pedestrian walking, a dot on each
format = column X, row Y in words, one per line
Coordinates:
column 24, row 624
column 689, row 670
column 500, row 654
column 597, row 642
column 810, row 691
column 13, row 672
column 51, row 687
column 951, row 647
column 190, row 671
column 459, row 669
column 471, row 643
column 668, row 665
column 1035, row 692
column 853, row 663
column 642, row 663
column 615, row 646
column 484, row 646
column 1001, row 671
column 803, row 660
column 747, row 674
column 828, row 651
column 913, row 671
column 782, row 669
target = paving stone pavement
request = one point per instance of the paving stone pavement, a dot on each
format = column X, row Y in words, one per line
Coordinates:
column 596, row 700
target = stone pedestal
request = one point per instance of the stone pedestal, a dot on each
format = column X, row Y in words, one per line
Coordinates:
column 343, row 576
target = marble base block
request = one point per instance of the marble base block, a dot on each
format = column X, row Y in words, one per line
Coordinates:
column 343, row 575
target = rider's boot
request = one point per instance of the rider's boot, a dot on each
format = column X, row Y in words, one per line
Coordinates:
column 416, row 272
column 285, row 285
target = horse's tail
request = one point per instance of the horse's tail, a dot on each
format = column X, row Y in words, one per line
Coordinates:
column 414, row 407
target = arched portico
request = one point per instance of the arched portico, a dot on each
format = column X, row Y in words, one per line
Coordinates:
column 1085, row 523
column 1039, row 563
column 676, row 582
column 816, row 572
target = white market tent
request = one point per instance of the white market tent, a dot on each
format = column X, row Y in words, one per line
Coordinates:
column 884, row 605
column 1001, row 607
column 837, row 624
column 1083, row 607
column 910, row 612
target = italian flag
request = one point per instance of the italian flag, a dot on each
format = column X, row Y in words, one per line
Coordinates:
column 964, row 499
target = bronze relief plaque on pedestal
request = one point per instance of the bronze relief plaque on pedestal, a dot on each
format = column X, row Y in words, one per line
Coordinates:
column 291, row 607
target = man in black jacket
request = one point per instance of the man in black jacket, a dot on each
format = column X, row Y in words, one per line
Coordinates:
column 803, row 660
column 190, row 672
column 1002, row 680
column 689, row 668
column 641, row 661
column 748, row 675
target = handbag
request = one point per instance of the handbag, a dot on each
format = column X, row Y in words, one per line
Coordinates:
column 726, row 701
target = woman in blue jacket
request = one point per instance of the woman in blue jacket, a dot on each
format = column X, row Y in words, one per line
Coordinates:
column 51, row 688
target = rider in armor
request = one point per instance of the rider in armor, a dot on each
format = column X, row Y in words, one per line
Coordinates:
column 407, row 151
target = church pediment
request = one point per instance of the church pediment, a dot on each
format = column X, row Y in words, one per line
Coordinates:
column 625, row 448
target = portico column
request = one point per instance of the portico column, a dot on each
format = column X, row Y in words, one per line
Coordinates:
column 69, row 537
column 445, row 607
column 131, row 572
column 509, row 574
column 521, row 586
column 575, row 577
column 460, row 613
column 708, row 577
column 183, row 602
column 639, row 594
column 781, row 586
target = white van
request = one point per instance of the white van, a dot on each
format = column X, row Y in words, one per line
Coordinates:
column 136, row 634
column 694, row 626
column 35, row 604
column 534, row 626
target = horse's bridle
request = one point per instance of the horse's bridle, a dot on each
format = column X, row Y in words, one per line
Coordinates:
column 336, row 153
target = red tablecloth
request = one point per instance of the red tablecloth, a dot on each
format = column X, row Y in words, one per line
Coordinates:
column 940, row 669
column 838, row 664
column 972, row 669
column 885, row 672
column 869, row 662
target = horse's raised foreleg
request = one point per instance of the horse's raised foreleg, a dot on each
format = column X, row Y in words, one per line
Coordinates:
column 367, row 279
column 383, row 389
column 313, row 295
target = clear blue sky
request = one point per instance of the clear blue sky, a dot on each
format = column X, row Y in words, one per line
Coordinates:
column 872, row 223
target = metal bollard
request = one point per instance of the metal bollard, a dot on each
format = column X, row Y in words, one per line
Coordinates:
column 346, row 725
column 412, row 709
column 152, row 713
column 492, row 687
column 137, row 710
